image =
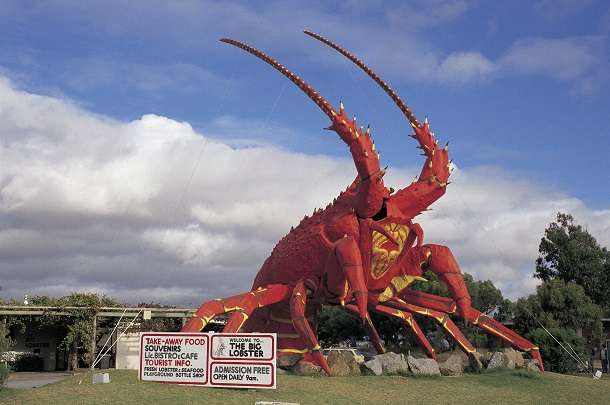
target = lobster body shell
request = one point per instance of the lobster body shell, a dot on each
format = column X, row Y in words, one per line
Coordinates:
column 303, row 252
column 362, row 252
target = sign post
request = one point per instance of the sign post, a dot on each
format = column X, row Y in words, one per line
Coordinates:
column 235, row 360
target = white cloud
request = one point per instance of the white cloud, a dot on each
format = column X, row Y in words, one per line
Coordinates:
column 565, row 58
column 151, row 210
column 464, row 66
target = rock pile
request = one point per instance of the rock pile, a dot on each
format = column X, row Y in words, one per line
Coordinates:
column 343, row 363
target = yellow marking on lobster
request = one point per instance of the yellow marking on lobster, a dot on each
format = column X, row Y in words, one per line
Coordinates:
column 243, row 319
column 398, row 284
column 381, row 258
column 231, row 309
column 344, row 295
column 496, row 331
column 293, row 350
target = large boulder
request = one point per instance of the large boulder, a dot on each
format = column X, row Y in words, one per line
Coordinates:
column 287, row 361
column 515, row 357
column 306, row 368
column 373, row 366
column 497, row 360
column 531, row 365
column 342, row 364
column 393, row 363
column 486, row 358
column 453, row 365
column 423, row 366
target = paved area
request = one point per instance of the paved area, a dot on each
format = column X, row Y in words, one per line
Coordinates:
column 25, row 380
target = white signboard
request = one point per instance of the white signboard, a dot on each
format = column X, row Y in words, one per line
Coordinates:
column 242, row 346
column 245, row 374
column 236, row 360
column 174, row 358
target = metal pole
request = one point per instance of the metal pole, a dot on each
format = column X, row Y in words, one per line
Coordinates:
column 94, row 338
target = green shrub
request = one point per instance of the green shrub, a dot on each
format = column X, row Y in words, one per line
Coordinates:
column 5, row 345
column 3, row 373
column 29, row 362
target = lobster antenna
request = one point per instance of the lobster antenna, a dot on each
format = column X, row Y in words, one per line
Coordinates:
column 401, row 105
column 307, row 89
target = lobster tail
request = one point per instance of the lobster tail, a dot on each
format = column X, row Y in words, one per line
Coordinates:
column 307, row 89
column 399, row 103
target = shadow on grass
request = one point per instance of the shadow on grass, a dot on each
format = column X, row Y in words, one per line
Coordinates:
column 423, row 376
column 513, row 373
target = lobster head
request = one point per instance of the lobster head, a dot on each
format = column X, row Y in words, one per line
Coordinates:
column 377, row 201
column 371, row 198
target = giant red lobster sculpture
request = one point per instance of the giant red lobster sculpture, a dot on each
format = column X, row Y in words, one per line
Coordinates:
column 361, row 252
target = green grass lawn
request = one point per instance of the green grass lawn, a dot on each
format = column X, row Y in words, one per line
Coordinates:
column 505, row 387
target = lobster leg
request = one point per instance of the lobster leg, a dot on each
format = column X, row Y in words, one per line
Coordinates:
column 242, row 304
column 370, row 329
column 298, row 301
column 494, row 327
column 349, row 276
column 440, row 260
column 426, row 300
column 409, row 321
column 441, row 317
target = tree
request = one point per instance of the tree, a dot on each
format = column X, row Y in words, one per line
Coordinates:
column 336, row 325
column 564, row 310
column 570, row 253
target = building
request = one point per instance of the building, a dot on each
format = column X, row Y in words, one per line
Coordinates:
column 115, row 329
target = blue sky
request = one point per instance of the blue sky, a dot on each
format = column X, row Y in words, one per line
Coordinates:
column 148, row 123
column 538, row 114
